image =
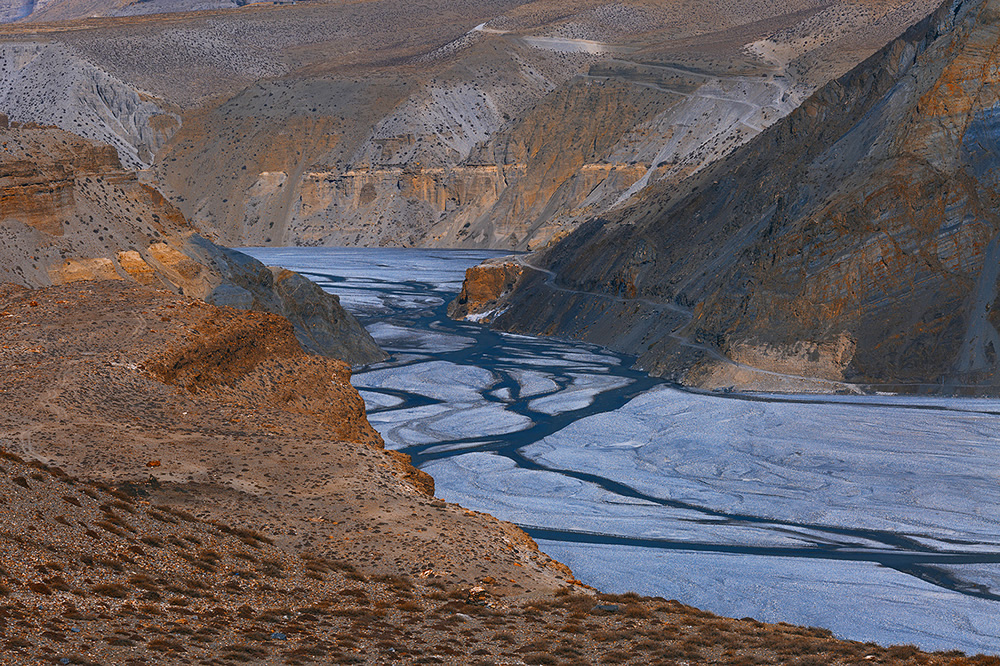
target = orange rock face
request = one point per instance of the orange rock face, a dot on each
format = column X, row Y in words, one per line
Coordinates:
column 37, row 175
column 69, row 204
column 484, row 285
column 254, row 358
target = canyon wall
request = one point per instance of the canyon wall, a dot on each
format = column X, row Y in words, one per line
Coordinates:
column 854, row 241
column 501, row 125
column 514, row 133
column 503, row 141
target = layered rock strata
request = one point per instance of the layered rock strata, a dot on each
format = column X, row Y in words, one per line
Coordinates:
column 509, row 140
column 485, row 124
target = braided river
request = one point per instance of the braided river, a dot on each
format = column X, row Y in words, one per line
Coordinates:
column 875, row 516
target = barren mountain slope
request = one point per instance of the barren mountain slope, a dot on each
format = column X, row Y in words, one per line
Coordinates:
column 856, row 240
column 93, row 574
column 479, row 124
column 508, row 135
column 220, row 412
column 69, row 212
column 62, row 10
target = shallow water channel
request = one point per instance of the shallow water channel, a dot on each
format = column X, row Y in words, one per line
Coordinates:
column 875, row 516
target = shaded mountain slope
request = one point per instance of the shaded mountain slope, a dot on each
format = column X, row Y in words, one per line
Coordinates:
column 69, row 212
column 50, row 84
column 63, row 10
column 853, row 241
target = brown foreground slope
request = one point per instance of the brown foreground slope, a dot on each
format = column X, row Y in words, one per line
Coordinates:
column 93, row 575
column 220, row 412
column 854, row 241
column 321, row 547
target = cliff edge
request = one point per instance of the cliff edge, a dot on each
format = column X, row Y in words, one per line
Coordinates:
column 69, row 212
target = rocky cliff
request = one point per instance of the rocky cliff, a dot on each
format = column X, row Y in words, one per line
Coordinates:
column 484, row 288
column 515, row 132
column 69, row 212
column 479, row 124
column 854, row 241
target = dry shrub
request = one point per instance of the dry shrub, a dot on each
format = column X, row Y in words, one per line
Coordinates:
column 114, row 590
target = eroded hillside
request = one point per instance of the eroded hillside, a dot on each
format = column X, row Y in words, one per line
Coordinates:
column 61, row 10
column 479, row 125
column 69, row 212
column 220, row 412
column 855, row 241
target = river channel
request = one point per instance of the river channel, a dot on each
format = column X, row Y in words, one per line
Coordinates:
column 877, row 517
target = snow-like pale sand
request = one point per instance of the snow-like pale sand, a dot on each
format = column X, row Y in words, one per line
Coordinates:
column 875, row 516
column 860, row 464
column 856, row 600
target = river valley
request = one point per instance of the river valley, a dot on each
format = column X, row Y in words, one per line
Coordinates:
column 877, row 517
